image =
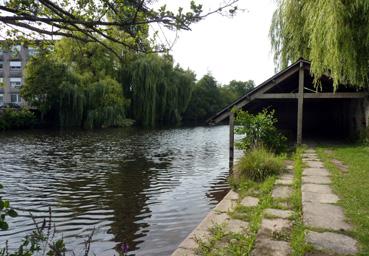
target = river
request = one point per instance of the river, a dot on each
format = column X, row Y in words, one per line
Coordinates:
column 146, row 188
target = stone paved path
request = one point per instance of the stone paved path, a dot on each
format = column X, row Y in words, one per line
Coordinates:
column 273, row 236
column 324, row 219
column 320, row 212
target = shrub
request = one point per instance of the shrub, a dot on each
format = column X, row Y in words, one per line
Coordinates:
column 16, row 119
column 259, row 130
column 259, row 163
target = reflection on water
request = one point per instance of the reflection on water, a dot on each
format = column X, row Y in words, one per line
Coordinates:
column 146, row 188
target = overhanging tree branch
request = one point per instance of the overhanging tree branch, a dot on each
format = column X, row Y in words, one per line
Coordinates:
column 96, row 18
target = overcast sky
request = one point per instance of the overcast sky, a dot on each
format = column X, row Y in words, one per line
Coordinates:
column 229, row 48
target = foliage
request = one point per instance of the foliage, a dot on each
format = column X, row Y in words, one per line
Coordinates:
column 16, row 119
column 259, row 163
column 5, row 210
column 94, row 20
column 74, row 91
column 209, row 97
column 236, row 89
column 259, row 130
column 42, row 242
column 206, row 100
column 160, row 92
column 334, row 35
column 83, row 85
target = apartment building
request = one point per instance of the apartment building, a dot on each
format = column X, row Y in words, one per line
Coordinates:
column 12, row 63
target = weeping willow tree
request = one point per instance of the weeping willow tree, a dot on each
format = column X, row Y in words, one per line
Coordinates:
column 160, row 93
column 73, row 86
column 332, row 34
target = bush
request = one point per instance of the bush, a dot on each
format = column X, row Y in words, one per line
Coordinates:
column 16, row 119
column 259, row 163
column 259, row 130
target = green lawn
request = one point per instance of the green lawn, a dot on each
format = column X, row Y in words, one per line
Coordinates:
column 352, row 186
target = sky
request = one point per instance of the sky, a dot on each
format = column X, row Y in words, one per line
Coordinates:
column 235, row 48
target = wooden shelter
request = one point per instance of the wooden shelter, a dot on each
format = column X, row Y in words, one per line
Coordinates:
column 304, row 111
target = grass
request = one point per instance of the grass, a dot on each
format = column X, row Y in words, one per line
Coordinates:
column 241, row 244
column 259, row 163
column 352, row 187
column 298, row 244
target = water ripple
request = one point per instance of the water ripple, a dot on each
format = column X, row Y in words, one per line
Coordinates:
column 146, row 188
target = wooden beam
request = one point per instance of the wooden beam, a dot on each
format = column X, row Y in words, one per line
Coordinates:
column 231, row 140
column 337, row 95
column 278, row 96
column 318, row 95
column 300, row 105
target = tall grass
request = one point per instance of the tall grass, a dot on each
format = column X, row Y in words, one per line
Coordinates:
column 259, row 163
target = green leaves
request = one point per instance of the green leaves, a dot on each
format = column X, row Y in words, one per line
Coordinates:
column 5, row 210
column 259, row 130
column 12, row 213
column 333, row 35
column 4, row 225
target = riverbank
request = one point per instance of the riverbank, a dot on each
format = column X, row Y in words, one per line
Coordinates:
column 318, row 207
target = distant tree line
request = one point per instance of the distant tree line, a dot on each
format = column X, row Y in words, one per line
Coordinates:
column 84, row 85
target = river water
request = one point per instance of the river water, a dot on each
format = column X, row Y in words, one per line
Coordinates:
column 146, row 188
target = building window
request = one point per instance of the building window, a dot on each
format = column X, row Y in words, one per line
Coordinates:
column 1, row 99
column 15, row 82
column 1, row 64
column 1, row 81
column 15, row 65
column 15, row 98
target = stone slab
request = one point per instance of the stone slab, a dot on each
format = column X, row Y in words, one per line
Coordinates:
column 316, row 188
column 338, row 243
column 315, row 172
column 270, row 227
column 268, row 247
column 310, row 151
column 284, row 205
column 316, row 179
column 314, row 164
column 284, row 214
column 326, row 216
column 290, row 167
column 328, row 198
column 286, row 177
column 281, row 192
column 340, row 165
column 307, row 155
column 226, row 205
column 212, row 219
column 183, row 252
column 250, row 201
column 236, row 226
column 284, row 182
column 310, row 157
column 231, row 196
column 191, row 241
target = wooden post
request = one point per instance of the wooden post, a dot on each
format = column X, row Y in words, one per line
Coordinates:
column 300, row 104
column 231, row 140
